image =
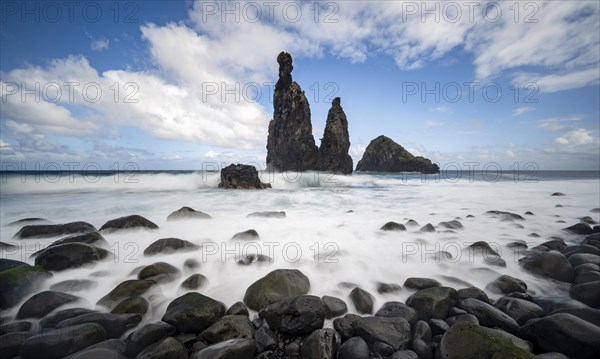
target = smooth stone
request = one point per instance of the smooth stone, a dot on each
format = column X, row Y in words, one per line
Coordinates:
column 385, row 288
column 132, row 305
column 404, row 354
column 276, row 286
column 74, row 285
column 550, row 304
column 21, row 326
column 506, row 284
column 146, row 335
column 228, row 327
column 503, row 215
column 127, row 223
column 354, row 348
column 580, row 229
column 588, row 314
column 10, row 343
column 398, row 310
column 581, row 248
column 344, row 326
column 295, row 316
column 564, row 333
column 334, row 307
column 52, row 320
column 551, row 264
column 114, row 324
column 193, row 312
column 489, row 316
column 185, row 213
column 428, row 228
column 265, row 339
column 519, row 309
column 471, row 341
column 321, row 344
column 159, row 272
column 393, row 226
column 267, row 214
column 126, row 289
column 583, row 258
column 473, row 292
column 69, row 255
column 363, row 301
column 421, row 283
column 53, row 230
column 166, row 348
column 438, row 326
column 97, row 353
column 237, row 308
column 43, row 303
column 230, row 349
column 248, row 235
column 169, row 246
column 58, row 343
column 587, row 293
column 392, row 331
column 9, row 263
column 433, row 302
column 453, row 224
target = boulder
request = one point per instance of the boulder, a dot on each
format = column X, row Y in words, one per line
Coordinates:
column 248, row 235
column 421, row 283
column 127, row 223
column 344, row 325
column 52, row 320
column 588, row 314
column 580, row 229
column 334, row 307
column 363, row 301
column 333, row 152
column 21, row 326
column 267, row 214
column 241, row 177
column 265, row 339
column 321, row 344
column 159, row 272
column 17, row 282
column 237, row 308
column 290, row 144
column 97, row 353
column 9, row 263
column 43, row 303
column 473, row 292
column 564, row 333
column 385, row 155
column 59, row 343
column 433, row 302
column 587, row 293
column 295, row 316
column 147, row 335
column 391, row 331
column 398, row 310
column 194, row 282
column 550, row 304
column 471, row 341
column 506, row 284
column 69, row 255
column 228, row 327
column 278, row 285
column 229, row 349
column 168, row 246
column 114, row 324
column 31, row 220
column 583, row 258
column 126, row 289
column 193, row 312
column 354, row 348
column 185, row 213
column 53, row 230
column 551, row 264
column 488, row 315
column 93, row 238
column 519, row 309
column 132, row 305
column 248, row 259
column 10, row 343
column 428, row 228
column 166, row 348
column 393, row 226
column 385, row 288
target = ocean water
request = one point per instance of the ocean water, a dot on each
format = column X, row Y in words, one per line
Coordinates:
column 331, row 232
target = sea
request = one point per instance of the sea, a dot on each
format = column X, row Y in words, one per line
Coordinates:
column 331, row 231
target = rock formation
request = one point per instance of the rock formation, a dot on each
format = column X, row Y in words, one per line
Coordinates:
column 241, row 177
column 290, row 145
column 385, row 155
column 333, row 153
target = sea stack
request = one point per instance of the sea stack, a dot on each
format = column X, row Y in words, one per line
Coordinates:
column 241, row 177
column 333, row 153
column 290, row 145
column 385, row 155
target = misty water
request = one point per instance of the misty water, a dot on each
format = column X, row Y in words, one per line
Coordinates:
column 331, row 232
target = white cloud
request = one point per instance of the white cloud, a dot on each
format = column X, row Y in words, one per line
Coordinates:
column 558, row 124
column 434, row 124
column 211, row 154
column 576, row 137
column 100, row 44
column 522, row 110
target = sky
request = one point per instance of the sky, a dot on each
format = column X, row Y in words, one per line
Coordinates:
column 188, row 85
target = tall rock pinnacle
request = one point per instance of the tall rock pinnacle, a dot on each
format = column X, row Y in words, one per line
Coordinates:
column 290, row 145
column 333, row 153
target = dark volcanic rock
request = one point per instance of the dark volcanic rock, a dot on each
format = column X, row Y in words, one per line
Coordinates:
column 43, row 303
column 228, row 327
column 363, row 301
column 393, row 226
column 52, row 320
column 433, row 302
column 296, row 316
column 18, row 282
column 333, row 153
column 506, row 284
column 59, row 343
column 385, row 155
column 187, row 213
column 9, row 263
column 519, row 309
column 241, row 177
column 505, row 216
column 354, row 348
column 146, row 335
column 398, row 310
column 587, row 293
column 11, row 342
column 551, row 264
column 278, row 285
column 128, row 222
column 321, row 344
column 237, row 308
column 169, row 245
column 580, row 228
column 166, row 348
column 126, row 289
column 194, row 282
column 384, row 288
column 69, row 255
column 344, row 325
column 132, row 305
column 114, row 324
column 22, row 326
column 392, row 331
column 470, row 341
column 488, row 315
column 566, row 334
column 193, row 312
column 229, row 349
column 74, row 285
column 421, row 283
column 290, row 145
column 473, row 292
column 31, row 220
column 267, row 214
column 54, row 230
column 159, row 272
column 334, row 307
column 247, row 235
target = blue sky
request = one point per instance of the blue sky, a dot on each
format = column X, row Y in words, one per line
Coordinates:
column 458, row 82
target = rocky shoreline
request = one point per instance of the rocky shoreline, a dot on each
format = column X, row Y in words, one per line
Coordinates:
column 280, row 317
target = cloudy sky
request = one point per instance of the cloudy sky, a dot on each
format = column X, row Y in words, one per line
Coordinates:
column 181, row 85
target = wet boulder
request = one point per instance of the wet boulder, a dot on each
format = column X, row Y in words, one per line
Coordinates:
column 185, row 213
column 133, row 222
column 69, row 255
column 193, row 312
column 278, row 285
